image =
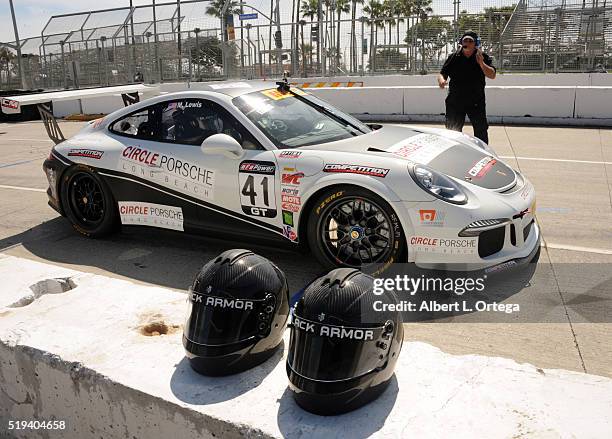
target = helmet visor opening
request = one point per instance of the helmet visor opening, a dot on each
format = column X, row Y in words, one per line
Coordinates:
column 325, row 352
column 216, row 321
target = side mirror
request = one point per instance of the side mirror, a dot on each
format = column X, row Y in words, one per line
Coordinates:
column 222, row 144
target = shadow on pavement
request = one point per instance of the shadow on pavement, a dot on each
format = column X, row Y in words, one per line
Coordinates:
column 165, row 258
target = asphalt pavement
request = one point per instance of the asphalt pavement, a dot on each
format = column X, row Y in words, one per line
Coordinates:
column 569, row 294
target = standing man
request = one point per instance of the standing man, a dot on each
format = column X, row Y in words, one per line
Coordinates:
column 467, row 68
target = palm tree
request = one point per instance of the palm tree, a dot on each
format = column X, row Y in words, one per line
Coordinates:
column 353, row 49
column 341, row 6
column 310, row 10
column 216, row 6
column 422, row 9
column 373, row 10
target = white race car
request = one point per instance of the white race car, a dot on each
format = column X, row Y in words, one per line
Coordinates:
column 255, row 159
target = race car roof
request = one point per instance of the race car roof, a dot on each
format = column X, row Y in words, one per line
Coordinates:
column 12, row 104
column 233, row 88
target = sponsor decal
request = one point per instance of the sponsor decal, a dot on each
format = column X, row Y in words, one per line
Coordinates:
column 256, row 182
column 140, row 155
column 221, row 302
column 331, row 331
column 256, row 167
column 290, row 191
column 168, row 171
column 292, row 179
column 291, row 199
column 149, row 214
column 10, row 106
column 291, row 207
column 432, row 217
column 88, row 153
column 291, row 203
column 8, row 103
column 422, row 148
column 289, row 233
column 328, row 200
column 288, row 218
column 356, row 169
column 290, row 154
column 482, row 167
column 96, row 123
column 430, row 244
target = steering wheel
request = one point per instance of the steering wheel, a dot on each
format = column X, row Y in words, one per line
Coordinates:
column 278, row 125
column 186, row 126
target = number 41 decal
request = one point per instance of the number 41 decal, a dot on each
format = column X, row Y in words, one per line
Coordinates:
column 256, row 180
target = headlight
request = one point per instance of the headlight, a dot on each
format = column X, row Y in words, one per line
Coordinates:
column 437, row 184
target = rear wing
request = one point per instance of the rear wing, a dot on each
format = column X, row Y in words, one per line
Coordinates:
column 129, row 93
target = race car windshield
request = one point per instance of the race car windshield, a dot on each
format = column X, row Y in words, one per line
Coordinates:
column 295, row 119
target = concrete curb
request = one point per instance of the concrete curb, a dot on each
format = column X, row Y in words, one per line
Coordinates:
column 91, row 356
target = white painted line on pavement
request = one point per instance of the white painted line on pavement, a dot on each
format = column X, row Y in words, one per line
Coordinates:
column 577, row 248
column 555, row 160
column 20, row 188
column 26, row 140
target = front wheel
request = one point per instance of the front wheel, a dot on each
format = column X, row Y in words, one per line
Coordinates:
column 352, row 227
column 88, row 202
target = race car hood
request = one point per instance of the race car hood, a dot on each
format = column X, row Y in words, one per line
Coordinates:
column 445, row 154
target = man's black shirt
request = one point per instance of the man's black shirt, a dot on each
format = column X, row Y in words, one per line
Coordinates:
column 467, row 78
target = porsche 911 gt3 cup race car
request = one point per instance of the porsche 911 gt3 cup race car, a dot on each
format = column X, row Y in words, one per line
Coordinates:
column 253, row 159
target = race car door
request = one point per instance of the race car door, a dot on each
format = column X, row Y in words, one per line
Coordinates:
column 237, row 192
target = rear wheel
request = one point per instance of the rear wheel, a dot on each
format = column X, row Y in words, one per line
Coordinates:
column 352, row 227
column 88, row 202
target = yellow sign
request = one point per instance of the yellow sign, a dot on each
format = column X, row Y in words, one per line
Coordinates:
column 277, row 95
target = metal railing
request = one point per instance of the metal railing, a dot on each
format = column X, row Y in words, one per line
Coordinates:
column 124, row 45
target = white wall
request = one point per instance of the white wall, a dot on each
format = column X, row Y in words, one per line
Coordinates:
column 565, row 99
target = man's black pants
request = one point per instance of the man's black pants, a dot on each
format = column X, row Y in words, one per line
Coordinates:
column 457, row 109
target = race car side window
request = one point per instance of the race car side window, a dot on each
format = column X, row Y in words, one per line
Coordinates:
column 191, row 121
column 142, row 124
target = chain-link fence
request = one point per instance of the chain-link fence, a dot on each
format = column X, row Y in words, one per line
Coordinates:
column 188, row 41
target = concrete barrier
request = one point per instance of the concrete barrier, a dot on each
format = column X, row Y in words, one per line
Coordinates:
column 105, row 356
column 562, row 99
column 593, row 102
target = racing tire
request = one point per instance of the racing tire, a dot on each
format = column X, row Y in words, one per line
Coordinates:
column 353, row 227
column 88, row 202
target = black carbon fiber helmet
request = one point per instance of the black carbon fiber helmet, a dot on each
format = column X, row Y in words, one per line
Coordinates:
column 238, row 308
column 342, row 352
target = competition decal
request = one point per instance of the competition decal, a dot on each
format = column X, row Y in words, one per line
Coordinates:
column 87, row 153
column 356, row 169
column 422, row 148
column 168, row 171
column 482, row 167
column 150, row 214
column 256, row 183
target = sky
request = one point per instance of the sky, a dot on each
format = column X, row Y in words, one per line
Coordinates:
column 32, row 15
